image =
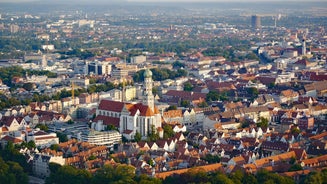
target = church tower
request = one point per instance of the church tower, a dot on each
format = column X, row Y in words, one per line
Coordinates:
column 148, row 96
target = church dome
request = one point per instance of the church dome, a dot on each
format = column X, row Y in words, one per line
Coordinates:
column 147, row 73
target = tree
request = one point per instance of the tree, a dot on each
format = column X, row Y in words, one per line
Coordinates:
column 168, row 131
column 214, row 96
column 62, row 137
column 54, row 147
column 92, row 157
column 145, row 179
column 295, row 167
column 178, row 64
column 313, row 178
column 253, row 92
column 12, row 172
column 112, row 127
column 185, row 103
column 249, row 179
column 137, row 136
column 263, row 122
column 69, row 174
column 70, row 122
column 31, row 144
column 18, row 172
column 211, row 158
column 54, row 167
column 171, row 107
column 120, row 174
column 220, row 178
column 42, row 127
column 188, row 86
column 203, row 104
column 153, row 135
column 28, row 86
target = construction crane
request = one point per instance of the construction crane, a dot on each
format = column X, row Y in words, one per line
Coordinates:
column 73, row 93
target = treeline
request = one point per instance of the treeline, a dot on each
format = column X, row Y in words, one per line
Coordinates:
column 7, row 102
column 127, row 174
column 107, row 174
column 7, row 73
column 13, row 165
column 15, row 169
column 160, row 74
column 231, row 53
column 238, row 177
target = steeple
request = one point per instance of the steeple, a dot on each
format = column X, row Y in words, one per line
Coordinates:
column 303, row 47
column 148, row 96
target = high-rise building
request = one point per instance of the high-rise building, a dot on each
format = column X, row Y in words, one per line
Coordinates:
column 256, row 22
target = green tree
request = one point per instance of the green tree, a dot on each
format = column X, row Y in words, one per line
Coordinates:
column 137, row 137
column 12, row 172
column 31, row 144
column 185, row 103
column 220, row 178
column 153, row 135
column 211, row 158
column 18, row 171
column 70, row 122
column 188, row 86
column 313, row 178
column 54, row 167
column 69, row 174
column 168, row 131
column 295, row 167
column 42, row 127
column 62, row 137
column 54, row 147
column 28, row 86
column 203, row 104
column 171, row 107
column 178, row 64
column 253, row 92
column 145, row 179
column 249, row 179
column 120, row 174
column 263, row 122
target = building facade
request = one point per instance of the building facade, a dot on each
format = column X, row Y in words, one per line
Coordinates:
column 134, row 117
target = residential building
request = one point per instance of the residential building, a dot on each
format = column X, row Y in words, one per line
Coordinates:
column 41, row 164
column 106, row 138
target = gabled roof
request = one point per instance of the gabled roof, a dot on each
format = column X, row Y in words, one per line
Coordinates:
column 114, row 106
column 110, row 105
column 107, row 120
column 11, row 139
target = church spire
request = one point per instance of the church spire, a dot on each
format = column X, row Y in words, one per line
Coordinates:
column 148, row 96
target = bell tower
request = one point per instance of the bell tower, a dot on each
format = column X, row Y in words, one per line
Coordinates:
column 148, row 96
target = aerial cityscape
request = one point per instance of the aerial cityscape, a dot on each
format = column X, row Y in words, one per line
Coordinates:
column 163, row 92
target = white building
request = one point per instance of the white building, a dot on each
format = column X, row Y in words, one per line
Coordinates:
column 41, row 164
column 42, row 139
column 106, row 138
column 138, row 59
column 134, row 117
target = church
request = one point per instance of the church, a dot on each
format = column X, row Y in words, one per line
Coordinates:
column 130, row 118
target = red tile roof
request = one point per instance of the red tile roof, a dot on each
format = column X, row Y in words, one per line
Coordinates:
column 107, row 120
column 110, row 105
column 11, row 139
